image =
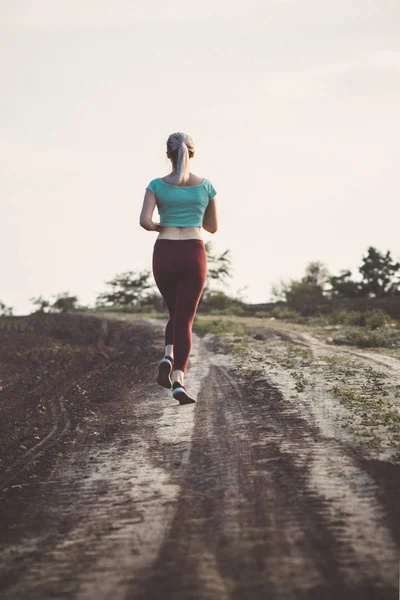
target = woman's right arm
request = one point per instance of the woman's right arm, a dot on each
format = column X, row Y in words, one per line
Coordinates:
column 149, row 204
column 210, row 220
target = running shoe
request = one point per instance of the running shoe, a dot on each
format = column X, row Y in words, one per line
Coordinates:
column 165, row 368
column 179, row 393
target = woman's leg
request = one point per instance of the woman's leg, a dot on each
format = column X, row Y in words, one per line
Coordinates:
column 190, row 286
column 167, row 283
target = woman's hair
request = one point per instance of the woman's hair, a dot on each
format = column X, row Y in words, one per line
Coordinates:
column 180, row 148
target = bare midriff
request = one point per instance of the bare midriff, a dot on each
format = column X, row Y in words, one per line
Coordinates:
column 179, row 233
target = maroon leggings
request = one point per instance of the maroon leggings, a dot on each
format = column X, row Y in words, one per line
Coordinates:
column 180, row 271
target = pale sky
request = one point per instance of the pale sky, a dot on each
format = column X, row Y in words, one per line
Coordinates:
column 293, row 106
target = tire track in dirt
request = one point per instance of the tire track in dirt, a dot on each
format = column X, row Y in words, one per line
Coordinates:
column 269, row 507
column 309, row 341
column 63, row 420
column 62, row 424
column 120, row 502
column 380, row 469
column 160, row 452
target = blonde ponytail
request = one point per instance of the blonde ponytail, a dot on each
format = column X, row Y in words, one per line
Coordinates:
column 180, row 149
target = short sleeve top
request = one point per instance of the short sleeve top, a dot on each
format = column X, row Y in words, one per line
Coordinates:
column 180, row 205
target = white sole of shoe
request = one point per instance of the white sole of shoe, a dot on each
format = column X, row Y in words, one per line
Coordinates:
column 182, row 396
column 164, row 373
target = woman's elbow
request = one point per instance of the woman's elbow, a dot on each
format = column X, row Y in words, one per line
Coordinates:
column 144, row 223
column 214, row 226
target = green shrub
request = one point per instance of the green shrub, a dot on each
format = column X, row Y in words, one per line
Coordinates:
column 370, row 318
column 376, row 318
column 214, row 326
column 283, row 312
column 236, row 309
column 365, row 338
column 304, row 296
column 216, row 311
column 231, row 310
column 217, row 300
column 320, row 320
column 347, row 317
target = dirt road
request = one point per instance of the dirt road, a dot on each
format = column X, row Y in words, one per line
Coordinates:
column 110, row 490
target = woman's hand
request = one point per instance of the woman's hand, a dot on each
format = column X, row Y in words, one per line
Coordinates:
column 157, row 227
column 150, row 226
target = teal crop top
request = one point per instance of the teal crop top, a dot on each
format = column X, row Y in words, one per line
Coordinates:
column 179, row 205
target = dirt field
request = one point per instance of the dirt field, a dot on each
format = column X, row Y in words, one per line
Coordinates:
column 282, row 482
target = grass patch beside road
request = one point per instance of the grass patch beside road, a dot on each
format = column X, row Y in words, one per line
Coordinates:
column 365, row 338
column 384, row 339
column 368, row 394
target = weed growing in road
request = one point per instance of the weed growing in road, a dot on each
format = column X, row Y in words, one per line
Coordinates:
column 249, row 371
column 301, row 381
column 375, row 380
column 290, row 356
column 373, row 419
column 347, row 395
column 333, row 359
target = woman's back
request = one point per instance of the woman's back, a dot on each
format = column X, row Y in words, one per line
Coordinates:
column 182, row 207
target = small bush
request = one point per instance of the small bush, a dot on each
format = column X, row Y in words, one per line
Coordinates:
column 376, row 318
column 320, row 320
column 364, row 338
column 347, row 317
column 237, row 310
column 214, row 326
column 217, row 300
column 231, row 310
column 373, row 319
column 283, row 312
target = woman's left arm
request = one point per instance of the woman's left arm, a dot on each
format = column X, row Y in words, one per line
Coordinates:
column 149, row 204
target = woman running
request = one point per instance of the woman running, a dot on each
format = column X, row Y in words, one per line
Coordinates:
column 186, row 203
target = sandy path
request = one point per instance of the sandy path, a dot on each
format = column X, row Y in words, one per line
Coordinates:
column 248, row 494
